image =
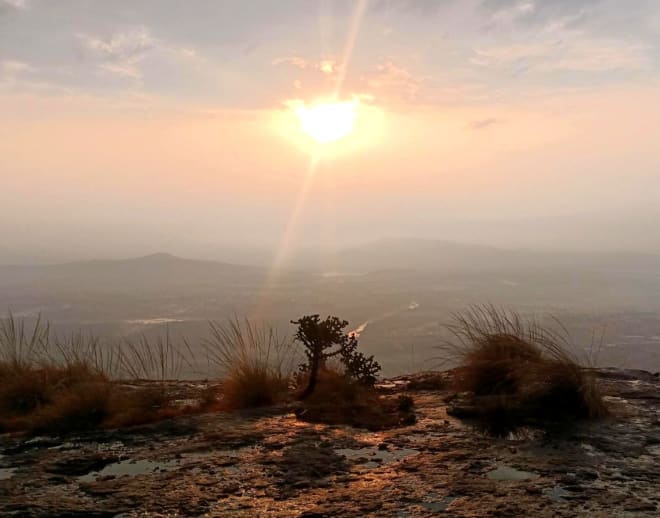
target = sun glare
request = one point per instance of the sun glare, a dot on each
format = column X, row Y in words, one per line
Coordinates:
column 327, row 122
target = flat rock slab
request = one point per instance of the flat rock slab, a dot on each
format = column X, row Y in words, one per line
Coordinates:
column 268, row 463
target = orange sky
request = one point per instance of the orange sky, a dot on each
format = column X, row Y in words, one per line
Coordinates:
column 137, row 129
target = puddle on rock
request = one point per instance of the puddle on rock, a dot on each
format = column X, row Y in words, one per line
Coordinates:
column 7, row 473
column 509, row 473
column 374, row 457
column 426, row 437
column 438, row 505
column 556, row 493
column 65, row 446
column 132, row 467
column 522, row 434
column 112, row 447
column 129, row 467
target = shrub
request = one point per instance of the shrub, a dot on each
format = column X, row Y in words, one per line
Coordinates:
column 140, row 405
column 334, row 386
column 22, row 390
column 18, row 345
column 319, row 337
column 256, row 364
column 519, row 372
column 428, row 381
column 153, row 359
column 253, row 387
column 340, row 399
column 82, row 406
column 60, row 385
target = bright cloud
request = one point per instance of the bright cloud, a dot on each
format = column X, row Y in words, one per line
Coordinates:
column 120, row 53
column 576, row 54
column 13, row 4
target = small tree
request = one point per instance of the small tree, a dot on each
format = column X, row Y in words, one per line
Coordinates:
column 358, row 366
column 324, row 339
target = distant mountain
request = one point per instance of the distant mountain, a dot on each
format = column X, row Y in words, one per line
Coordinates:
column 450, row 256
column 149, row 272
column 156, row 288
column 421, row 254
column 162, row 269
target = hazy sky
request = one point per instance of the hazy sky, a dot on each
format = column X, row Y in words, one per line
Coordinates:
column 128, row 127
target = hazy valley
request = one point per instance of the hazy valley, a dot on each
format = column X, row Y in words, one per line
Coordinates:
column 400, row 293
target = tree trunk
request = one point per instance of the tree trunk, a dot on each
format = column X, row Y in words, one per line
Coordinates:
column 313, row 376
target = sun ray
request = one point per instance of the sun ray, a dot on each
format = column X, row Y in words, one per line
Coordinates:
column 292, row 224
column 354, row 30
column 287, row 237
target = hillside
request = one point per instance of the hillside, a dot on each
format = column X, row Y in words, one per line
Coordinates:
column 450, row 256
column 143, row 272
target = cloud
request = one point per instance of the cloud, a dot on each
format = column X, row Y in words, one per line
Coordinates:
column 512, row 12
column 12, row 5
column 328, row 66
column 294, row 61
column 394, row 81
column 121, row 53
column 21, row 77
column 9, row 67
column 418, row 7
column 537, row 11
column 11, row 72
column 391, row 83
column 484, row 123
column 571, row 53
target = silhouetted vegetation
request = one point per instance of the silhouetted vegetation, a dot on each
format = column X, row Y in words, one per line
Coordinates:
column 324, row 340
column 255, row 363
column 428, row 381
column 63, row 384
column 519, row 373
column 516, row 372
column 337, row 381
column 340, row 399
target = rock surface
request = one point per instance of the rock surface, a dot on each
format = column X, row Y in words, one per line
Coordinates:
column 268, row 463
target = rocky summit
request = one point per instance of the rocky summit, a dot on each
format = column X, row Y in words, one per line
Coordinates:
column 271, row 463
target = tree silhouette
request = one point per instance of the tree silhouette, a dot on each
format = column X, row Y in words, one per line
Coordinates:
column 324, row 339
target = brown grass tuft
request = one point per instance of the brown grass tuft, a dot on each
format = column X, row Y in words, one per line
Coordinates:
column 26, row 388
column 78, row 407
column 520, row 373
column 339, row 399
column 428, row 381
column 255, row 363
column 61, row 400
column 251, row 387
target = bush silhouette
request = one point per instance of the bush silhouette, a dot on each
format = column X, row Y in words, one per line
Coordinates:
column 520, row 373
column 326, row 339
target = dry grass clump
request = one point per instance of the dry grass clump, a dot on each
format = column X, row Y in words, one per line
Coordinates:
column 50, row 384
column 24, row 388
column 255, row 363
column 519, row 372
column 428, row 381
column 80, row 406
column 65, row 399
column 31, row 395
column 340, row 399
column 334, row 386
column 153, row 359
column 142, row 405
column 253, row 387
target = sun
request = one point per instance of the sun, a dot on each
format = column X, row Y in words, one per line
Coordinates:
column 327, row 122
column 328, row 126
